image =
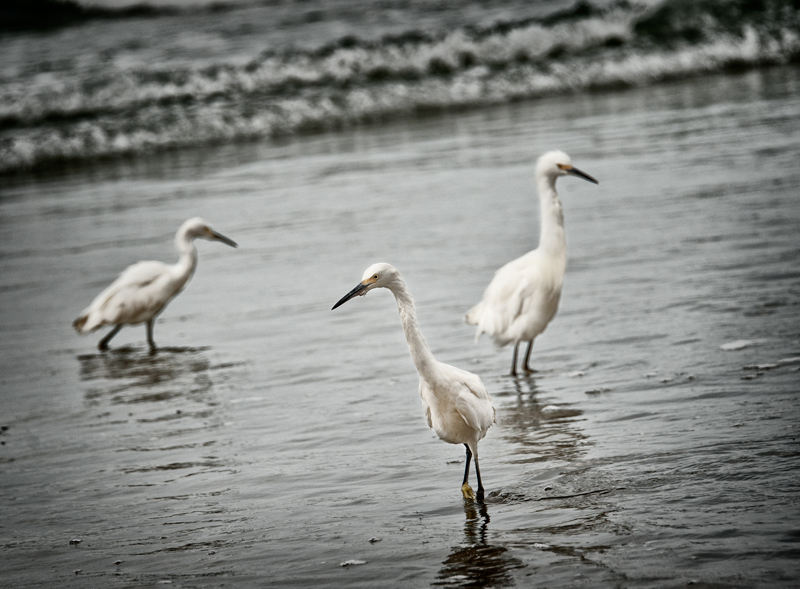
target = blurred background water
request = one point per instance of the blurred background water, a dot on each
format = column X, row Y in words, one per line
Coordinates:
column 271, row 440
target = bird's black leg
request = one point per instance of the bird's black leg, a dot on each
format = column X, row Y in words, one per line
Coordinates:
column 103, row 344
column 525, row 366
column 479, row 496
column 150, row 341
column 466, row 490
column 466, row 469
column 514, row 360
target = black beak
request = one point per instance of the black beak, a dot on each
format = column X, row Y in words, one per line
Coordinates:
column 223, row 239
column 353, row 293
column 576, row 172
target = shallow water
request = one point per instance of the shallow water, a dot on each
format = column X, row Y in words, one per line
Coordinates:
column 271, row 440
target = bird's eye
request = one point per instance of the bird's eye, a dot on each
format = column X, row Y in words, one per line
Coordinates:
column 375, row 277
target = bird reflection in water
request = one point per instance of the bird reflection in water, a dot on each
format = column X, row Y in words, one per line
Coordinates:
column 160, row 411
column 476, row 562
column 130, row 375
column 543, row 431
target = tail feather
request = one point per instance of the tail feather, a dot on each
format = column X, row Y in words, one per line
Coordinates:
column 83, row 324
column 79, row 323
column 473, row 318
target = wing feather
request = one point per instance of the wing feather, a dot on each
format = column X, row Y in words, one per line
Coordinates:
column 520, row 300
column 473, row 402
column 137, row 295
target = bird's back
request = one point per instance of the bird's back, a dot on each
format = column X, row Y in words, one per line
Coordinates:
column 521, row 299
column 457, row 405
column 140, row 292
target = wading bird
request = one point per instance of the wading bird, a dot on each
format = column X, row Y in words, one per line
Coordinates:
column 456, row 404
column 523, row 296
column 143, row 290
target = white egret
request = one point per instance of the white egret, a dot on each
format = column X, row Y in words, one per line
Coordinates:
column 143, row 290
column 523, row 296
column 456, row 404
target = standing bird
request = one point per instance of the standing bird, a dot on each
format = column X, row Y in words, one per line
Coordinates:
column 143, row 290
column 456, row 404
column 523, row 296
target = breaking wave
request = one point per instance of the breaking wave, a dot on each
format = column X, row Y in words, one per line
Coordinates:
column 353, row 80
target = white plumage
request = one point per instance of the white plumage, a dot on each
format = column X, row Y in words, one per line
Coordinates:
column 143, row 290
column 523, row 296
column 456, row 404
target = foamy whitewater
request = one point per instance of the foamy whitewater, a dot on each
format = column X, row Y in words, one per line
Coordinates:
column 137, row 81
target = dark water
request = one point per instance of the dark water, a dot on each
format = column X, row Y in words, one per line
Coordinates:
column 271, row 440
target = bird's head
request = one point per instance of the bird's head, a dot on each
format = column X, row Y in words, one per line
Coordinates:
column 198, row 228
column 553, row 164
column 379, row 275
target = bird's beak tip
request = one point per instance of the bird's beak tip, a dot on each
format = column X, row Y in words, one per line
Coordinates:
column 359, row 290
column 224, row 239
column 581, row 174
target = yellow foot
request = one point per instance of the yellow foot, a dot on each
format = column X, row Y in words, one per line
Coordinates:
column 467, row 492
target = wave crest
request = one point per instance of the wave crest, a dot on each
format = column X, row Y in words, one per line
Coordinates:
column 113, row 112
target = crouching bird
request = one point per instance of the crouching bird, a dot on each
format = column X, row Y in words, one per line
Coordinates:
column 143, row 290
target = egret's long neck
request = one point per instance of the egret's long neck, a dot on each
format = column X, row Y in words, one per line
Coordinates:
column 420, row 354
column 188, row 260
column 552, row 238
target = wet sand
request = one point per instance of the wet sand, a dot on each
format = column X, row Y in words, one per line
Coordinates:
column 271, row 440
